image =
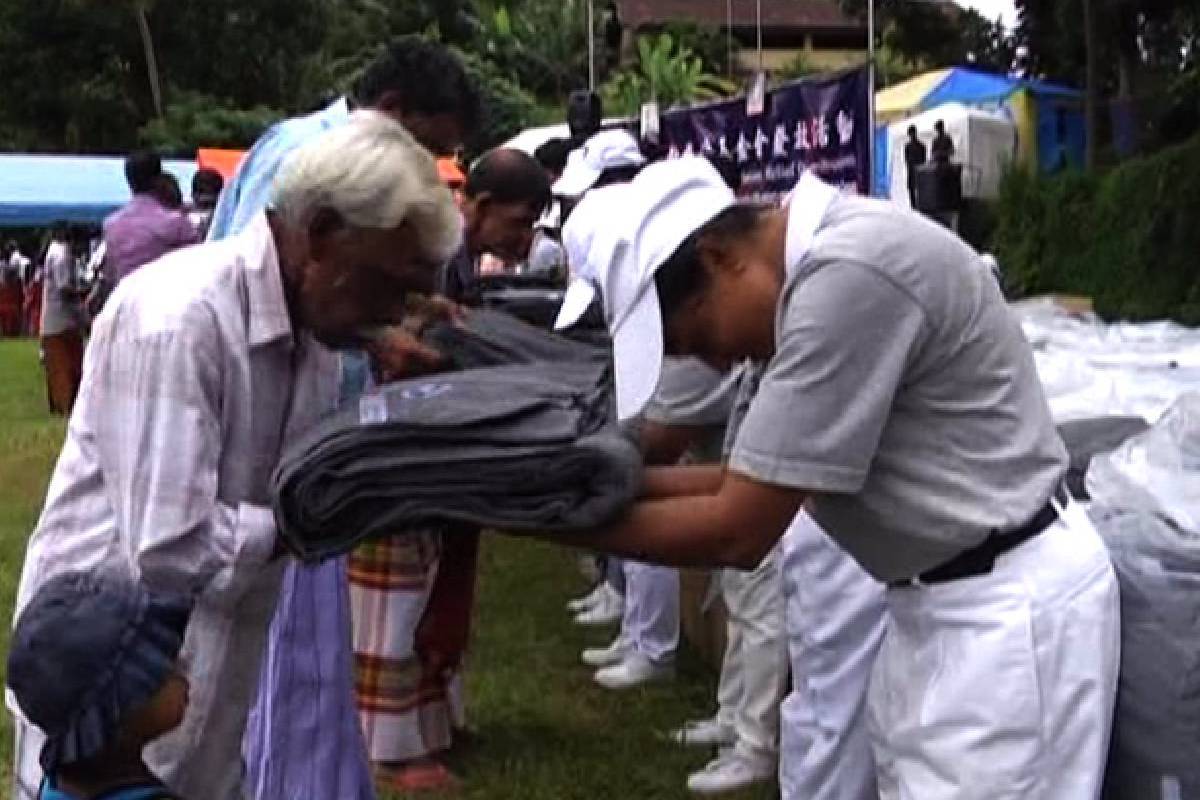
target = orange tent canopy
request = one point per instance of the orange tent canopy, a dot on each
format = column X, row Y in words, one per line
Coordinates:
column 225, row 162
column 450, row 173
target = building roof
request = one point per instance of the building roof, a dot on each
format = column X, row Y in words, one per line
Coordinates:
column 811, row 15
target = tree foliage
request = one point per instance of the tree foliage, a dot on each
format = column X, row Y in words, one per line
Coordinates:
column 667, row 73
column 79, row 76
column 932, row 35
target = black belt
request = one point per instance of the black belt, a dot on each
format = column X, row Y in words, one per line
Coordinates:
column 980, row 559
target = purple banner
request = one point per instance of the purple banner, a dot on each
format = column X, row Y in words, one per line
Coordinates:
column 819, row 123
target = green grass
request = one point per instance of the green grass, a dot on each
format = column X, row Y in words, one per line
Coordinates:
column 545, row 731
column 29, row 443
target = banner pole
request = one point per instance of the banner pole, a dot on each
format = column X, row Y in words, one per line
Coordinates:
column 758, row 17
column 871, row 97
column 591, row 44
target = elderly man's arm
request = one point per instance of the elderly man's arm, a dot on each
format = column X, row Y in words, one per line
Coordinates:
column 157, row 407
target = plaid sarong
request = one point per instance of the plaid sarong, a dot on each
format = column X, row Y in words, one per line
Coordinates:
column 407, row 711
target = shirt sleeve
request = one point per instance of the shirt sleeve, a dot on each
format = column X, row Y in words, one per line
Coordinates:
column 692, row 393
column 158, row 439
column 846, row 339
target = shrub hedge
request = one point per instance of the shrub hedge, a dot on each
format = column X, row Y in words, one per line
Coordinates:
column 1129, row 238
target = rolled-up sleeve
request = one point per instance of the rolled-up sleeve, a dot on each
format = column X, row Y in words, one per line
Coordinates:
column 159, row 440
column 845, row 339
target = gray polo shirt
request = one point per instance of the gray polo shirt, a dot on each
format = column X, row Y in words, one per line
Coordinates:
column 901, row 393
column 693, row 394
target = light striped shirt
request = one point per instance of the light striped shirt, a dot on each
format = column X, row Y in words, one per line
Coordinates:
column 193, row 381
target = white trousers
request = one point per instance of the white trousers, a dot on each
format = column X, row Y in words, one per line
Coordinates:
column 1002, row 686
column 651, row 620
column 835, row 618
column 754, row 669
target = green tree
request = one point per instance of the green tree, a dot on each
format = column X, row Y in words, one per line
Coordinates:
column 541, row 45
column 665, row 73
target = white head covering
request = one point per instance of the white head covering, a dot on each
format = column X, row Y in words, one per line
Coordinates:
column 641, row 228
column 590, row 235
column 606, row 150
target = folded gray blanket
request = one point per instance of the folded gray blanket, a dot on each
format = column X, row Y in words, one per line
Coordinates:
column 492, row 338
column 521, row 447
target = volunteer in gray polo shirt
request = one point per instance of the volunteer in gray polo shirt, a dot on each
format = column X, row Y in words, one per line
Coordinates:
column 901, row 407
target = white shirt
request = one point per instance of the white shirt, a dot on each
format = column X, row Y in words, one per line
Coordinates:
column 58, row 313
column 193, row 381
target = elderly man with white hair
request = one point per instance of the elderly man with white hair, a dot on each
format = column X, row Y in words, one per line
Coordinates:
column 203, row 366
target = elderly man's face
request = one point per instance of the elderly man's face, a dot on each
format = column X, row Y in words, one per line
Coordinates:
column 358, row 278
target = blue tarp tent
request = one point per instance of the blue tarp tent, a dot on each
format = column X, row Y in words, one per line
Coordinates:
column 39, row 190
column 1049, row 117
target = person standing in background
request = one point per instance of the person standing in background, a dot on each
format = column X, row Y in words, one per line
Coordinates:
column 146, row 227
column 207, row 184
column 943, row 145
column 915, row 156
column 62, row 340
column 10, row 290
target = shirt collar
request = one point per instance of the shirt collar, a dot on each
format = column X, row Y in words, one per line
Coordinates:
column 269, row 319
column 336, row 112
column 809, row 201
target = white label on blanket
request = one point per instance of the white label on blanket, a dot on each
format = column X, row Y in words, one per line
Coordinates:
column 372, row 409
column 1171, row 788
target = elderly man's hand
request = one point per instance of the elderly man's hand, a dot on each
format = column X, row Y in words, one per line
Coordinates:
column 421, row 310
column 397, row 350
column 396, row 353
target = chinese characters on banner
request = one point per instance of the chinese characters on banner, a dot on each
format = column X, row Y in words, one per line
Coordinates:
column 822, row 124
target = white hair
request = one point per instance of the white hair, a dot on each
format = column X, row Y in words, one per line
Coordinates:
column 374, row 175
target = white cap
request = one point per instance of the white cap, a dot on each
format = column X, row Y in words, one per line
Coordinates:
column 590, row 236
column 664, row 205
column 606, row 150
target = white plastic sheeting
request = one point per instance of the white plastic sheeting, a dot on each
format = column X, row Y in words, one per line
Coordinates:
column 1090, row 368
column 1147, row 510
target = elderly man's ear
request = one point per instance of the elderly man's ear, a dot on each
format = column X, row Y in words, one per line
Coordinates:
column 323, row 224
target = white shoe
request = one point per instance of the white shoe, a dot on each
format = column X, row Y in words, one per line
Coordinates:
column 607, row 611
column 704, row 733
column 606, row 656
column 587, row 601
column 635, row 670
column 731, row 771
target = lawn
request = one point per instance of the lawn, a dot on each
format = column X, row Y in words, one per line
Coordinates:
column 545, row 732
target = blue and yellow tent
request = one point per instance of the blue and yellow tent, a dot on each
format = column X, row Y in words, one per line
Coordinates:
column 1049, row 118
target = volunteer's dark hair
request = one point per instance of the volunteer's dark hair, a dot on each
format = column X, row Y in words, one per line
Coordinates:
column 509, row 176
column 426, row 77
column 553, row 154
column 912, row 130
column 683, row 275
column 207, row 181
column 142, row 169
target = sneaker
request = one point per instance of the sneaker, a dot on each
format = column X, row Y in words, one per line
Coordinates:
column 635, row 670
column 587, row 601
column 730, row 772
column 704, row 733
column 607, row 611
column 606, row 656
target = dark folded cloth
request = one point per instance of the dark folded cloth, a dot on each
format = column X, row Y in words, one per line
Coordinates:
column 520, row 447
column 492, row 338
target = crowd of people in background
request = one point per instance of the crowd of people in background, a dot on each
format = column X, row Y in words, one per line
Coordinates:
column 56, row 294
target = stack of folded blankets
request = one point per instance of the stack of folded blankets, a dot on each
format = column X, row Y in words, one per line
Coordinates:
column 522, row 437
